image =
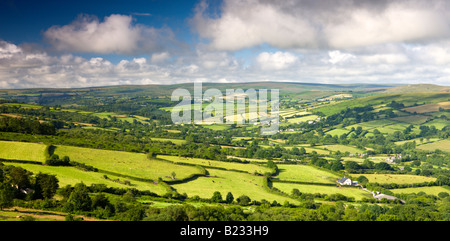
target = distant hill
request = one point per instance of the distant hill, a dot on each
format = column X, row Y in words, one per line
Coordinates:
column 424, row 88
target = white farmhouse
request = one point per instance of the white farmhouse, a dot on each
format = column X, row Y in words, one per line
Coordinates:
column 346, row 181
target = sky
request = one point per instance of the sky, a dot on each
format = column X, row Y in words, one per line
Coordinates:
column 67, row 44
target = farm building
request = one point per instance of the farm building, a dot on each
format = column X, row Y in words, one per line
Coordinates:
column 346, row 181
column 380, row 196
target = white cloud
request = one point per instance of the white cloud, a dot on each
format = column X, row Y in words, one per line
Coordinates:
column 337, row 57
column 276, row 61
column 321, row 24
column 116, row 34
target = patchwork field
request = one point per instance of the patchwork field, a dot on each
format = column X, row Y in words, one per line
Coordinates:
column 435, row 190
column 22, row 151
column 250, row 168
column 341, row 148
column 127, row 163
column 356, row 193
column 305, row 173
column 443, row 145
column 399, row 179
column 73, row 175
column 432, row 107
column 227, row 181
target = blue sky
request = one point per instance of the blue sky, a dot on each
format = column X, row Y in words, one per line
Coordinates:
column 98, row 43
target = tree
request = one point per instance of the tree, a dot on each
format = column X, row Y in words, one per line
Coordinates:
column 383, row 166
column 79, row 199
column 336, row 165
column 6, row 196
column 229, row 198
column 362, row 180
column 45, row 186
column 19, row 177
column 217, row 197
column 243, row 200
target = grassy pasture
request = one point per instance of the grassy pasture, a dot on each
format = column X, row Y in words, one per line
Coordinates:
column 358, row 194
column 406, row 98
column 396, row 178
column 305, row 173
column 432, row 107
column 412, row 119
column 434, row 190
column 302, row 119
column 438, row 123
column 174, row 141
column 126, row 163
column 418, row 142
column 250, row 168
column 338, row 132
column 15, row 150
column 443, row 145
column 341, row 148
column 227, row 181
column 73, row 175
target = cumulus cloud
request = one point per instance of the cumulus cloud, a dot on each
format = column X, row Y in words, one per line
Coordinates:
column 115, row 34
column 321, row 24
column 276, row 61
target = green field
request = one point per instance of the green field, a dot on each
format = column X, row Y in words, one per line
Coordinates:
column 435, row 190
column 357, row 193
column 443, row 145
column 302, row 119
column 228, row 181
column 126, row 163
column 73, row 175
column 174, row 141
column 305, row 173
column 399, row 179
column 22, row 151
column 341, row 148
column 250, row 168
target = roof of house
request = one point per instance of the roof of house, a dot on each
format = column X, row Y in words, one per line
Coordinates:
column 381, row 196
column 342, row 180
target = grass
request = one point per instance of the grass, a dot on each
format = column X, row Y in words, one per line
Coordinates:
column 22, row 151
column 250, row 168
column 432, row 107
column 227, row 181
column 439, row 124
column 304, row 173
column 412, row 119
column 174, row 141
column 341, row 148
column 72, row 176
column 338, row 132
column 396, row 178
column 302, row 119
column 434, row 190
column 358, row 194
column 443, row 145
column 126, row 163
